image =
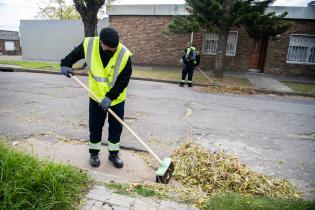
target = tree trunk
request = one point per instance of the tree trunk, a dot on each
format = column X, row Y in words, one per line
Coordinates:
column 222, row 39
column 220, row 57
column 88, row 10
column 90, row 25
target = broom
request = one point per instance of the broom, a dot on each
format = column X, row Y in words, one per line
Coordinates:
column 166, row 168
column 204, row 74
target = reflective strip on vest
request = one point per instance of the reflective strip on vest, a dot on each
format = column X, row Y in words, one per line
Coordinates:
column 88, row 61
column 89, row 53
column 119, row 59
column 96, row 146
column 188, row 51
column 113, row 147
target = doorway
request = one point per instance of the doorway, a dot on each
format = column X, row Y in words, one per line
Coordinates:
column 257, row 55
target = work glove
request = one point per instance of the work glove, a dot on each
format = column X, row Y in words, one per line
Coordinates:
column 65, row 70
column 105, row 103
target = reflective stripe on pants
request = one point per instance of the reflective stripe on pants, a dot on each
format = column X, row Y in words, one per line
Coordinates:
column 113, row 146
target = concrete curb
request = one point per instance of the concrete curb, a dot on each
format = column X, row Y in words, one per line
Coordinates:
column 263, row 91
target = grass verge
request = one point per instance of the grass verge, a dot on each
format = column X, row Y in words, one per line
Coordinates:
column 175, row 75
column 234, row 201
column 300, row 87
column 32, row 64
column 134, row 189
column 27, row 183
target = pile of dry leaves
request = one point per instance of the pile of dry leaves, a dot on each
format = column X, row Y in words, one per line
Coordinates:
column 223, row 172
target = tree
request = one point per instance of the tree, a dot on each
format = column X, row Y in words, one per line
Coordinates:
column 211, row 15
column 258, row 24
column 88, row 10
column 180, row 24
column 220, row 15
column 57, row 9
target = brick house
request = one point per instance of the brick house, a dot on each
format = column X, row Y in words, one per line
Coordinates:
column 292, row 53
column 9, row 43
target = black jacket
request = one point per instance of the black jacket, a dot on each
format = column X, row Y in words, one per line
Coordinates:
column 122, row 79
column 190, row 63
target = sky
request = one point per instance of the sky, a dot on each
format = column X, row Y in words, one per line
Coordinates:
column 12, row 11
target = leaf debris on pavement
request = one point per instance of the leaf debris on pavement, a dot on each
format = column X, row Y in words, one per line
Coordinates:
column 223, row 172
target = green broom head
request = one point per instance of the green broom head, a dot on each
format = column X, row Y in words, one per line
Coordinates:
column 164, row 173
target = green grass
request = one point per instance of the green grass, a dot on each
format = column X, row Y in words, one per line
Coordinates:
column 162, row 74
column 300, row 87
column 175, row 75
column 127, row 189
column 147, row 192
column 27, row 183
column 233, row 201
column 32, row 64
column 118, row 187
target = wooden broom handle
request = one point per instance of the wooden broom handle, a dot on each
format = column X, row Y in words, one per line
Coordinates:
column 120, row 120
column 205, row 75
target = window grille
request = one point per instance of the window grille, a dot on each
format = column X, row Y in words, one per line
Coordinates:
column 210, row 43
column 301, row 49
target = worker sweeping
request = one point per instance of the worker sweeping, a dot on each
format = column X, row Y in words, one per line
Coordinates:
column 189, row 60
column 109, row 66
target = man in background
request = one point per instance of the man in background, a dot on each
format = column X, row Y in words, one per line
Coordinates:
column 189, row 61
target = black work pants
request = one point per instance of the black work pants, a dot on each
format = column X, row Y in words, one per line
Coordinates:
column 187, row 69
column 96, row 123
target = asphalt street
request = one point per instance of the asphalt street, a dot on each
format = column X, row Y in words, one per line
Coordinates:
column 271, row 134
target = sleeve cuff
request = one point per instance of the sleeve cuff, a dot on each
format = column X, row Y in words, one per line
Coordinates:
column 110, row 96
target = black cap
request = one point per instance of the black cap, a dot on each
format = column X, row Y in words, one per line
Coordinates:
column 110, row 37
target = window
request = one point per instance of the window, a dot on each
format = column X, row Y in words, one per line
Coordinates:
column 210, row 43
column 231, row 43
column 9, row 46
column 301, row 49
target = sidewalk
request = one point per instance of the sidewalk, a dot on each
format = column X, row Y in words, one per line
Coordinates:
column 101, row 198
column 267, row 83
column 135, row 170
column 271, row 82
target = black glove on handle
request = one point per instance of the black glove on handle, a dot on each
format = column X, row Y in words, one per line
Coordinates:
column 67, row 71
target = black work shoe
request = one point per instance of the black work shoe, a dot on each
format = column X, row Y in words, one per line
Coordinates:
column 181, row 84
column 117, row 162
column 190, row 85
column 95, row 160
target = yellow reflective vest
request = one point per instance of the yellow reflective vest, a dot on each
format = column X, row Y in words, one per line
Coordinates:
column 101, row 79
column 194, row 50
